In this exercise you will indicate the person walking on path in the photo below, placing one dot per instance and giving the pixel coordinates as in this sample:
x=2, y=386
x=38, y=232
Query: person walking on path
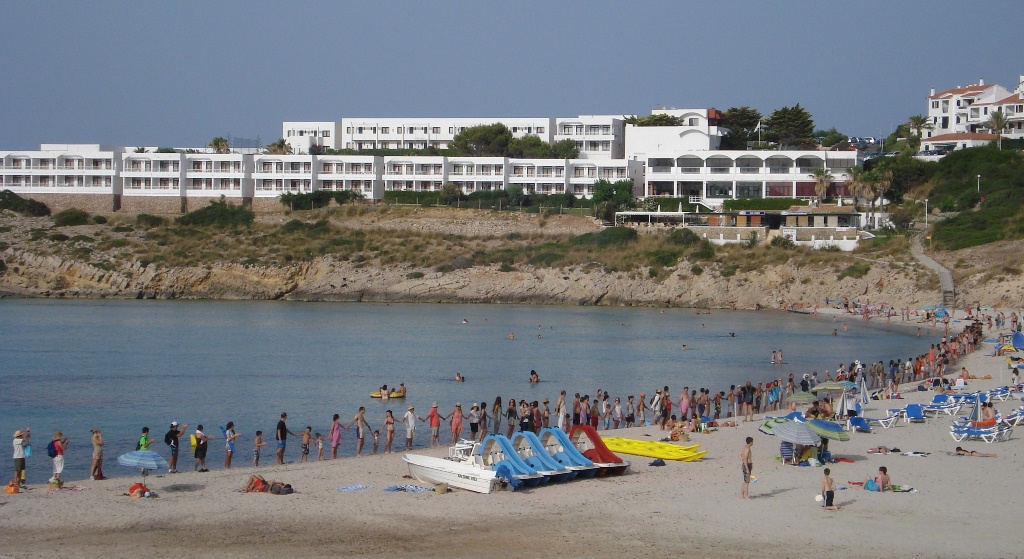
x=96, y=469
x=362, y=428
x=171, y=440
x=747, y=465
x=60, y=444
x=281, y=435
x=20, y=443
x=409, y=419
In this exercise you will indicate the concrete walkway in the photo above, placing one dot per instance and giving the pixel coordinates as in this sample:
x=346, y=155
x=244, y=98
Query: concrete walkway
x=945, y=277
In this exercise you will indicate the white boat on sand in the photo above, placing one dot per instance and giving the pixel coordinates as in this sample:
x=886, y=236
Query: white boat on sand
x=429, y=469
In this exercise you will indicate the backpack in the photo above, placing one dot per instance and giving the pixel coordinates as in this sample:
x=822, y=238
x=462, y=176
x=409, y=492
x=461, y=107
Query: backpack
x=51, y=449
x=169, y=437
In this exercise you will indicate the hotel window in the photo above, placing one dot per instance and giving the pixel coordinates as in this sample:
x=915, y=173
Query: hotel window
x=385, y=130
x=693, y=122
x=400, y=130
x=935, y=104
x=540, y=129
x=326, y=134
x=348, y=131
x=434, y=130
x=451, y=129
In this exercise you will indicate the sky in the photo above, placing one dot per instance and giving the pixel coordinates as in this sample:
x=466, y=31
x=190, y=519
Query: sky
x=180, y=73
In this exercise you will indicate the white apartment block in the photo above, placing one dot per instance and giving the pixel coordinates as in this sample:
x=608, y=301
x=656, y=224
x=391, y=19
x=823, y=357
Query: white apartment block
x=700, y=131
x=421, y=133
x=712, y=177
x=359, y=173
x=62, y=169
x=302, y=136
x=596, y=136
x=962, y=109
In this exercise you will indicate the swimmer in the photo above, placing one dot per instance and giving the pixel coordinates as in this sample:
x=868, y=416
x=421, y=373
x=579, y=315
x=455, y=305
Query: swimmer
x=702, y=324
x=459, y=378
x=511, y=336
x=534, y=377
x=684, y=347
x=732, y=334
x=835, y=332
x=464, y=321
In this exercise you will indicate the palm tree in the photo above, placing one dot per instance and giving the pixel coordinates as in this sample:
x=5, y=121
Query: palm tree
x=854, y=182
x=279, y=147
x=997, y=123
x=822, y=180
x=220, y=145
x=919, y=123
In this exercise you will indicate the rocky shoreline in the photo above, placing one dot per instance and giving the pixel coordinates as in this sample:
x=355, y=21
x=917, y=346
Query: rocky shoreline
x=325, y=279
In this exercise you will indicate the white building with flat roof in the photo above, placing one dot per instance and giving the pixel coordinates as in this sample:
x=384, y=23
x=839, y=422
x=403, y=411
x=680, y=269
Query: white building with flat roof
x=711, y=177
x=962, y=109
x=596, y=136
x=61, y=169
x=213, y=175
x=357, y=173
x=421, y=133
x=303, y=136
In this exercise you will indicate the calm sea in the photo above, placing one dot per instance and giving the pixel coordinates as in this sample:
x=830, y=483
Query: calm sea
x=122, y=365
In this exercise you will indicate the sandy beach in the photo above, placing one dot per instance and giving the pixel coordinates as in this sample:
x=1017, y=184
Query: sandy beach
x=961, y=507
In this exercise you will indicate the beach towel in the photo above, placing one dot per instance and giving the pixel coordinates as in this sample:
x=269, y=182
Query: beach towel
x=844, y=459
x=658, y=462
x=409, y=488
x=903, y=489
x=354, y=487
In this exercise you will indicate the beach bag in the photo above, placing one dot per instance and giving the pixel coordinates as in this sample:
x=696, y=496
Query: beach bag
x=192, y=438
x=51, y=449
x=12, y=488
x=169, y=439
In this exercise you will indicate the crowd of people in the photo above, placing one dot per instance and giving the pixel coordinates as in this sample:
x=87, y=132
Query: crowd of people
x=691, y=410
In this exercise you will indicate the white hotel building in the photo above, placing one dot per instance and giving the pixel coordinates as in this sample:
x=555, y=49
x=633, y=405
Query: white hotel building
x=62, y=169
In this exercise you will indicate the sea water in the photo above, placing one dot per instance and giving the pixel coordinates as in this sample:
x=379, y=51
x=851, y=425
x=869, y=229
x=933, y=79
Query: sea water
x=121, y=365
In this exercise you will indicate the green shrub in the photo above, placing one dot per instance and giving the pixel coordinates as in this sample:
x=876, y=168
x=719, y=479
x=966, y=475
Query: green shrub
x=123, y=229
x=99, y=219
x=610, y=236
x=36, y=234
x=414, y=275
x=119, y=243
x=730, y=270
x=3, y=267
x=506, y=267
x=58, y=237
x=683, y=237
x=855, y=271
x=704, y=251
x=762, y=204
x=105, y=265
x=218, y=214
x=663, y=258
x=779, y=241
x=71, y=217
x=146, y=220
x=24, y=206
x=82, y=239
x=545, y=259
x=696, y=270
x=403, y=197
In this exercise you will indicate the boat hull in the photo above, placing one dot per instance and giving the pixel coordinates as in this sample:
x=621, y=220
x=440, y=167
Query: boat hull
x=429, y=469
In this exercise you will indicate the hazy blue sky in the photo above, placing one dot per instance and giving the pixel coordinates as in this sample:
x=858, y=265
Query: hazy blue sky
x=180, y=73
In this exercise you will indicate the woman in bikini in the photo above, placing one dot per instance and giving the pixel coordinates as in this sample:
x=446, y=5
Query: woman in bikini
x=511, y=417
x=389, y=431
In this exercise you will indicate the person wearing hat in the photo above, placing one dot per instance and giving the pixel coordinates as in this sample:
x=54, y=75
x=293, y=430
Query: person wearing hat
x=434, y=421
x=96, y=470
x=171, y=440
x=60, y=444
x=409, y=420
x=20, y=444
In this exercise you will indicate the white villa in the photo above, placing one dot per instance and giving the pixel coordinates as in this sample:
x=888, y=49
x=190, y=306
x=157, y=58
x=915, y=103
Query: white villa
x=959, y=115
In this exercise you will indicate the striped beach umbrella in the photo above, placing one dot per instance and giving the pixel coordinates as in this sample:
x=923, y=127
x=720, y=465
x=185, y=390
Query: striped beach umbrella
x=143, y=459
x=828, y=429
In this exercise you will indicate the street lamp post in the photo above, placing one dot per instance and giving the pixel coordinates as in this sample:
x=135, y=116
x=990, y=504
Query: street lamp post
x=979, y=185
x=926, y=216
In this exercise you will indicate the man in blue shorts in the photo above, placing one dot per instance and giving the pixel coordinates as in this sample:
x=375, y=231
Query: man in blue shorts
x=282, y=437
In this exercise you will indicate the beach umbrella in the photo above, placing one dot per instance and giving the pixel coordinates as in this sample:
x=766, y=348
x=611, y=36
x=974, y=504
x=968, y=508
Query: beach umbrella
x=796, y=432
x=802, y=397
x=144, y=460
x=768, y=427
x=828, y=429
x=830, y=386
x=864, y=398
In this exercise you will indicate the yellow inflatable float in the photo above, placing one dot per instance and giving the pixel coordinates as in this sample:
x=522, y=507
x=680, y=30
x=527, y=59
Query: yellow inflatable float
x=653, y=449
x=390, y=394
